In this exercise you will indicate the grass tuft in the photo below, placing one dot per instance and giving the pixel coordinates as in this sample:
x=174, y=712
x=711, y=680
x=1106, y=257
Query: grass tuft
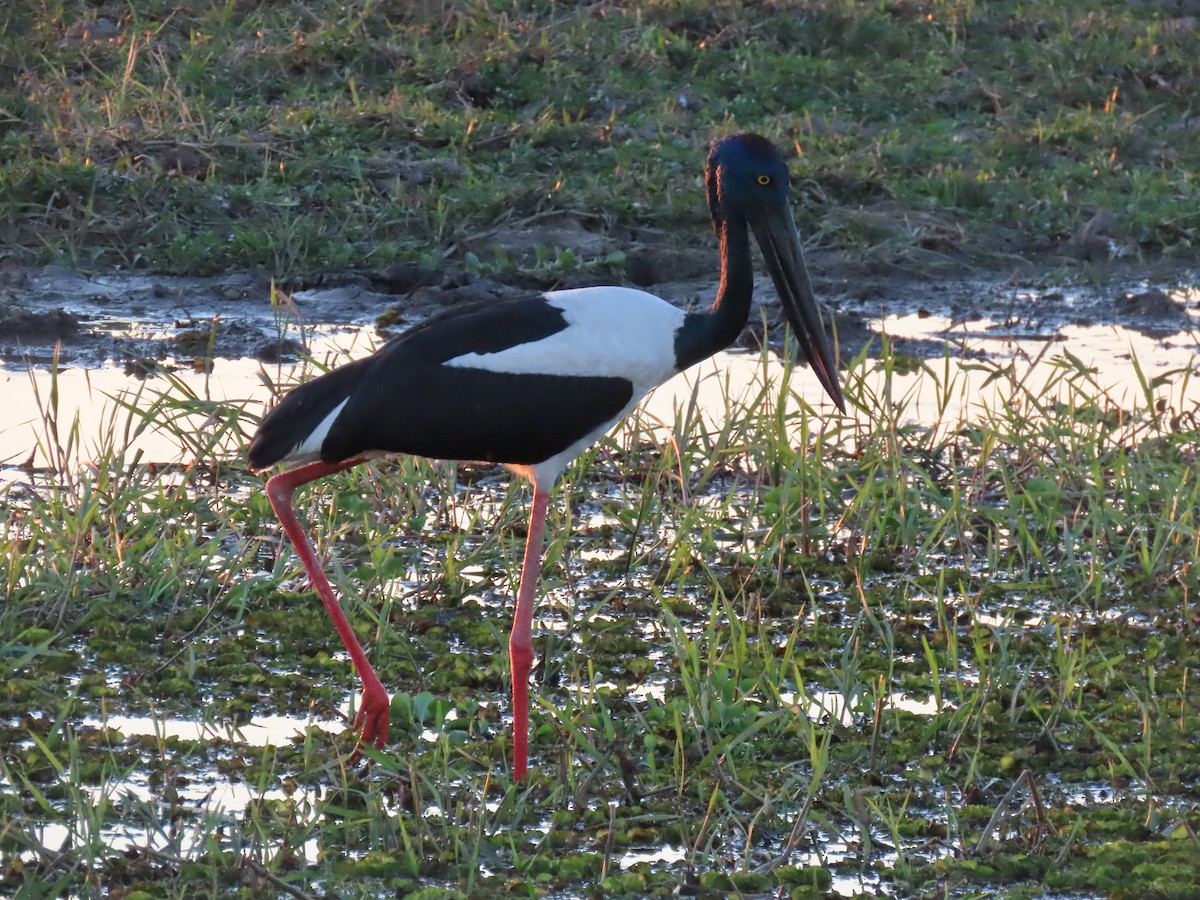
x=959, y=651
x=305, y=137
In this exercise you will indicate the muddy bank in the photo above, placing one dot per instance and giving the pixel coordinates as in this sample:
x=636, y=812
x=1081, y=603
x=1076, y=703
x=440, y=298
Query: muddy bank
x=139, y=320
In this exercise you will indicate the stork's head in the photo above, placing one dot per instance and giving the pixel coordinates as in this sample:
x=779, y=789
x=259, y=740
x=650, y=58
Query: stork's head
x=748, y=183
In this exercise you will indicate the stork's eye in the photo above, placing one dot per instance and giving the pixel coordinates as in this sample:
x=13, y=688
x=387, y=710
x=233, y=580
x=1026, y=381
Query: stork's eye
x=764, y=180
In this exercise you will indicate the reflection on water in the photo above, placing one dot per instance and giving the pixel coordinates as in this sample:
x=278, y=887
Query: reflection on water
x=667, y=853
x=261, y=731
x=179, y=816
x=948, y=390
x=821, y=705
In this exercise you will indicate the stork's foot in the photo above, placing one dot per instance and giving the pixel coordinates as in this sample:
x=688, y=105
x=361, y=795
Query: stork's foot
x=371, y=721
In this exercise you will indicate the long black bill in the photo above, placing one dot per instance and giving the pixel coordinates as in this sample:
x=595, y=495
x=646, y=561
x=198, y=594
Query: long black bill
x=780, y=243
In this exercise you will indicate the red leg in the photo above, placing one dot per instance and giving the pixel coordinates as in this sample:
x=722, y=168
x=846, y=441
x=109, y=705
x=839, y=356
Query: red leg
x=520, y=643
x=371, y=723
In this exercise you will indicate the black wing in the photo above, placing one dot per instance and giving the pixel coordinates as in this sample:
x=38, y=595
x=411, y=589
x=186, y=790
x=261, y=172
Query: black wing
x=404, y=399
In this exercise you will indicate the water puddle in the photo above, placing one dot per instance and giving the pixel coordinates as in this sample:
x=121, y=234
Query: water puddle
x=1125, y=344
x=951, y=366
x=261, y=731
x=821, y=705
x=135, y=812
x=666, y=854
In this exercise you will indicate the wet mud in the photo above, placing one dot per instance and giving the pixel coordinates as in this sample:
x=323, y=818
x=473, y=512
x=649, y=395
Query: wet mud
x=140, y=320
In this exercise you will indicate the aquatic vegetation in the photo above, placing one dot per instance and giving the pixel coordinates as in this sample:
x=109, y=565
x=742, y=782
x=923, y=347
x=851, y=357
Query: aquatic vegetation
x=944, y=645
x=780, y=652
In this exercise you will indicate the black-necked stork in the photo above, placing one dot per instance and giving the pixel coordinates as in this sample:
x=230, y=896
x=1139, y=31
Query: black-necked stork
x=532, y=382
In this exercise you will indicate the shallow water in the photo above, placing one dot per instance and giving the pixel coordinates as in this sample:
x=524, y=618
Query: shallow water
x=950, y=389
x=176, y=819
